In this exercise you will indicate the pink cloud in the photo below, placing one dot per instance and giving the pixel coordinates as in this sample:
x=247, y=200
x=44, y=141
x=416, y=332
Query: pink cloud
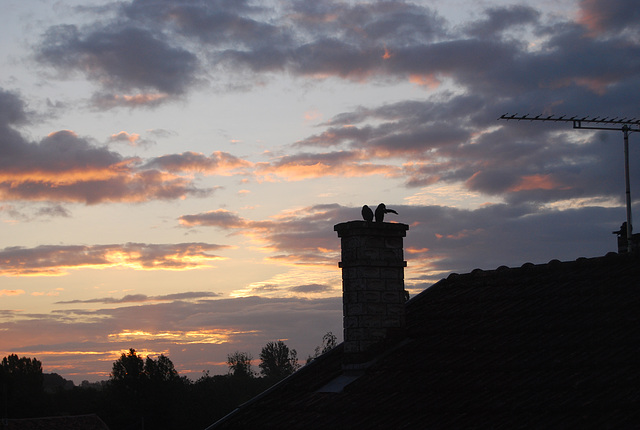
x=53, y=260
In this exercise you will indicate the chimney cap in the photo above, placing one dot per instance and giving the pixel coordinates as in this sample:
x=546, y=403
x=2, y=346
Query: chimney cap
x=366, y=227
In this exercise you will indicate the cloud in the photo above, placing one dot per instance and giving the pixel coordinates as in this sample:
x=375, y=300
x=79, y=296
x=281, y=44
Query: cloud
x=51, y=260
x=297, y=237
x=218, y=218
x=106, y=101
x=311, y=288
x=142, y=298
x=218, y=163
x=499, y=19
x=198, y=335
x=448, y=139
x=12, y=109
x=217, y=23
x=53, y=211
x=64, y=167
x=390, y=41
x=123, y=136
x=11, y=292
x=441, y=239
x=601, y=16
x=317, y=165
x=119, y=59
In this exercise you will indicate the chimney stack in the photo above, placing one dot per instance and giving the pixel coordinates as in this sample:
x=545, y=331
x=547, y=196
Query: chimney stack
x=373, y=293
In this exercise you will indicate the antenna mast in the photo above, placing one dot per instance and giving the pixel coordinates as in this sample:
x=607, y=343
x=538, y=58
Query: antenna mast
x=625, y=125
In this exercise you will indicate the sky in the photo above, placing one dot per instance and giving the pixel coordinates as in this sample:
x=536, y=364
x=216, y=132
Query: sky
x=171, y=171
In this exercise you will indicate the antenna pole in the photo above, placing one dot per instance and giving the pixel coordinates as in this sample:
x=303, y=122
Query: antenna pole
x=598, y=123
x=625, y=131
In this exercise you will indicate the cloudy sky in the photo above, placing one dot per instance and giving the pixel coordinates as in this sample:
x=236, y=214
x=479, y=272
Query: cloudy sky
x=171, y=171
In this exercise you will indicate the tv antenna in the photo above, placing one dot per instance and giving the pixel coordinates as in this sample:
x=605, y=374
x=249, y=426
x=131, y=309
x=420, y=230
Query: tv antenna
x=625, y=125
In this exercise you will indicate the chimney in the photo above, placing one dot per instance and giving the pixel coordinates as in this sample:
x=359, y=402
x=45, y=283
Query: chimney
x=373, y=293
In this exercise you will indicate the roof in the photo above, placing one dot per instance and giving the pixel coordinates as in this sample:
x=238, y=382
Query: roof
x=76, y=422
x=551, y=345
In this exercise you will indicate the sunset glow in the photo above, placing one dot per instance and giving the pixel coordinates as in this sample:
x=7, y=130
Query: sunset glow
x=170, y=177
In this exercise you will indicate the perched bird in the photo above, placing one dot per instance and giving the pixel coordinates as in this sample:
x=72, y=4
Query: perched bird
x=367, y=213
x=381, y=210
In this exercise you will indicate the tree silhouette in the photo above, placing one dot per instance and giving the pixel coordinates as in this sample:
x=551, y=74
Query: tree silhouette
x=128, y=370
x=149, y=391
x=240, y=364
x=160, y=370
x=21, y=386
x=277, y=360
x=329, y=341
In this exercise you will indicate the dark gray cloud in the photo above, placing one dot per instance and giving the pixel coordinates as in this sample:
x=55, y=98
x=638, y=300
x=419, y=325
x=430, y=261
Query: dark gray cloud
x=216, y=23
x=218, y=218
x=53, y=211
x=442, y=141
x=128, y=58
x=12, y=109
x=311, y=288
x=141, y=298
x=603, y=16
x=499, y=19
x=164, y=48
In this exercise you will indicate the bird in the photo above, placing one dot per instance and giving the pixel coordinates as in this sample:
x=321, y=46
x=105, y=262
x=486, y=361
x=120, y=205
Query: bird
x=367, y=213
x=381, y=210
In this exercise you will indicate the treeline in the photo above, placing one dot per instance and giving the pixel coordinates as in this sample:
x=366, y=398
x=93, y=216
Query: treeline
x=148, y=393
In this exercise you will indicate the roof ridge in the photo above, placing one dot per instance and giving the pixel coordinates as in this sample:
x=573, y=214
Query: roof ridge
x=554, y=263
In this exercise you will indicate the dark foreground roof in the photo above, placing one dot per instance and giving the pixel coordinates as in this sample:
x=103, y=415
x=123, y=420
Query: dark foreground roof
x=540, y=346
x=76, y=422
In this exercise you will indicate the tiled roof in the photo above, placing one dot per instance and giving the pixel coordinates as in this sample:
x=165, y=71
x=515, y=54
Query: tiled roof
x=540, y=346
x=76, y=422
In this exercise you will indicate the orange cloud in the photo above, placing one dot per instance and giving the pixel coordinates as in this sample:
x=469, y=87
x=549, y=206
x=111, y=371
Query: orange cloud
x=11, y=292
x=412, y=250
x=219, y=163
x=50, y=260
x=461, y=234
x=536, y=182
x=66, y=168
x=313, y=115
x=180, y=337
x=127, y=137
x=430, y=81
x=589, y=16
x=597, y=85
x=108, y=101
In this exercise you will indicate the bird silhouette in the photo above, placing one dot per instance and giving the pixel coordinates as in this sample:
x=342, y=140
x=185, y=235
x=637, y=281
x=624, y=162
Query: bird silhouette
x=367, y=213
x=381, y=210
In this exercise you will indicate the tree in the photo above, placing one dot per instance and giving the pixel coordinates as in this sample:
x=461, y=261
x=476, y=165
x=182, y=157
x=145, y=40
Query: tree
x=240, y=364
x=21, y=387
x=128, y=370
x=329, y=341
x=149, y=391
x=160, y=370
x=277, y=360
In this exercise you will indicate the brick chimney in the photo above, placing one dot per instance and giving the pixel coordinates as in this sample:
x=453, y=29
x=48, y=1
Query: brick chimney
x=373, y=293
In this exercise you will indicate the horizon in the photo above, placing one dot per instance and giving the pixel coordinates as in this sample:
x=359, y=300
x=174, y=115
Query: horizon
x=170, y=174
